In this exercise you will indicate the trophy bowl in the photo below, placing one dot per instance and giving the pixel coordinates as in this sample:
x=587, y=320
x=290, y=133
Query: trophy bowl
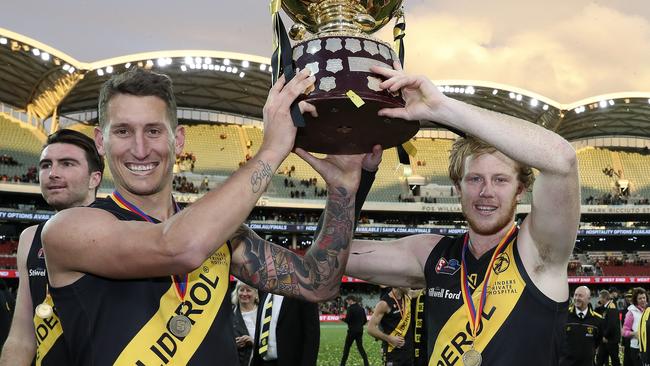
x=346, y=93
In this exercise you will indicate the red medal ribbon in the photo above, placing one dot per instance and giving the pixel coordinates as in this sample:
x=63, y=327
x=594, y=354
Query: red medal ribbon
x=473, y=314
x=180, y=283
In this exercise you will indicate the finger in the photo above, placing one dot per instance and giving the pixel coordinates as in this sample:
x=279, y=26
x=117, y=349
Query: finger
x=309, y=158
x=397, y=65
x=377, y=150
x=279, y=84
x=394, y=113
x=383, y=71
x=309, y=108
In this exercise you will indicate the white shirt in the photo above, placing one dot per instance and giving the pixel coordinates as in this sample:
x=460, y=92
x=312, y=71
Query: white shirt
x=583, y=312
x=250, y=318
x=272, y=352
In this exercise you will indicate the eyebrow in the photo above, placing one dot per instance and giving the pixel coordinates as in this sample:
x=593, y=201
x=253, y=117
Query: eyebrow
x=65, y=159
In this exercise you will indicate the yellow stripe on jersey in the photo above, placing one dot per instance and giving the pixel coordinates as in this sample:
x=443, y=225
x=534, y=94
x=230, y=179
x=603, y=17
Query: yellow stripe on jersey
x=504, y=291
x=643, y=329
x=48, y=332
x=206, y=290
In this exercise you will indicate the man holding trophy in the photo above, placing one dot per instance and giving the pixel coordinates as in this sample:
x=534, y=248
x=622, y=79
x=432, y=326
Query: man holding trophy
x=496, y=295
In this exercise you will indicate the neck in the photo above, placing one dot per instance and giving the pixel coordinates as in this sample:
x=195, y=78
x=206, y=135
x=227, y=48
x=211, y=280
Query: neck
x=581, y=310
x=481, y=244
x=158, y=205
x=246, y=307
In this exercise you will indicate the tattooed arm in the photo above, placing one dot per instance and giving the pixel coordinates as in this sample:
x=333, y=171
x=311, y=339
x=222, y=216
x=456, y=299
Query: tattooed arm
x=314, y=277
x=317, y=275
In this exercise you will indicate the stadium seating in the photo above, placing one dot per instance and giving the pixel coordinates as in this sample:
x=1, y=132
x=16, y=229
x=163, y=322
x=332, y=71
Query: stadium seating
x=21, y=142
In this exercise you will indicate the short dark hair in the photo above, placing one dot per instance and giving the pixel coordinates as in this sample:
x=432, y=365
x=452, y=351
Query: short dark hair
x=141, y=83
x=76, y=138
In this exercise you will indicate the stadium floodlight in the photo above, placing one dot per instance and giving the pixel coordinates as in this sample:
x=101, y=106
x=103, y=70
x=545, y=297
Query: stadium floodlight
x=534, y=102
x=545, y=107
x=66, y=67
x=234, y=69
x=241, y=74
x=3, y=40
x=109, y=69
x=211, y=67
x=189, y=60
x=263, y=67
x=441, y=88
x=161, y=62
x=127, y=65
x=149, y=64
x=183, y=68
x=204, y=66
x=71, y=70
x=36, y=51
x=511, y=95
x=100, y=72
x=519, y=97
x=602, y=104
x=226, y=61
x=45, y=56
x=495, y=92
x=611, y=102
x=228, y=69
x=192, y=66
x=648, y=100
x=222, y=68
x=208, y=60
x=245, y=64
x=447, y=89
x=198, y=60
x=270, y=68
x=470, y=90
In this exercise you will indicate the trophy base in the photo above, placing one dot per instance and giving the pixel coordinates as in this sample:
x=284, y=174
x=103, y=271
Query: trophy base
x=342, y=128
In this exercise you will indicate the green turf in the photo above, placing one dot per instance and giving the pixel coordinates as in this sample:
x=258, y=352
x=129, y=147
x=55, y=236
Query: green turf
x=332, y=338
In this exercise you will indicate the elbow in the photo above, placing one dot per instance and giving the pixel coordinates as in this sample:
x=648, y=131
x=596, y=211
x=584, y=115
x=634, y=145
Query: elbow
x=182, y=255
x=566, y=159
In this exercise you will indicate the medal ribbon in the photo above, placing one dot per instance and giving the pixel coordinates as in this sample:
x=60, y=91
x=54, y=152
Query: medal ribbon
x=473, y=313
x=180, y=282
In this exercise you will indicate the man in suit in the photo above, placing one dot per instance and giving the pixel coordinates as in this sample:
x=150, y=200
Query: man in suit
x=611, y=330
x=356, y=319
x=583, y=331
x=287, y=332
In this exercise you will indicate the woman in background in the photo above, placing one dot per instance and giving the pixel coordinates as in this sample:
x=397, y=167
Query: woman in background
x=245, y=300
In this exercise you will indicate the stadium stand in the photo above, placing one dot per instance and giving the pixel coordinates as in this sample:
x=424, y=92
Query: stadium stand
x=20, y=142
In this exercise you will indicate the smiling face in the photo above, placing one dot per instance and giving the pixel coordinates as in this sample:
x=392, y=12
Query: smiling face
x=489, y=190
x=64, y=177
x=139, y=144
x=581, y=297
x=246, y=295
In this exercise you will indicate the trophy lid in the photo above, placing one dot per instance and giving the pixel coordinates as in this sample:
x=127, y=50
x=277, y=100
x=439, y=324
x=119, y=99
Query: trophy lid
x=323, y=16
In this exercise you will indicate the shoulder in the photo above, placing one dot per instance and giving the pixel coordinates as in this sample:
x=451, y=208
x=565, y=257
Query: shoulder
x=595, y=314
x=25, y=242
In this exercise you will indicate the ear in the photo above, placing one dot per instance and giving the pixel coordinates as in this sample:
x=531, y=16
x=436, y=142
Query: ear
x=521, y=191
x=179, y=143
x=95, y=180
x=99, y=141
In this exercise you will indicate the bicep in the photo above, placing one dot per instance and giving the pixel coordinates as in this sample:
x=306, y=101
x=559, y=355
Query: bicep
x=105, y=246
x=397, y=263
x=555, y=214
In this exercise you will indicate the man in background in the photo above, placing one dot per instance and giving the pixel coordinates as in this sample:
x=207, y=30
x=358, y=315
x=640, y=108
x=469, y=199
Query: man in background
x=355, y=318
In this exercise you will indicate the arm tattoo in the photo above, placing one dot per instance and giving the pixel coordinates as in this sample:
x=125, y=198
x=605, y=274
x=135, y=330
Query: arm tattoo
x=273, y=268
x=261, y=176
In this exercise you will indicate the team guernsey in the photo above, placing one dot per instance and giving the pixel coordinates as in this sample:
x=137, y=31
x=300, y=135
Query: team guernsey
x=133, y=322
x=397, y=322
x=519, y=325
x=50, y=345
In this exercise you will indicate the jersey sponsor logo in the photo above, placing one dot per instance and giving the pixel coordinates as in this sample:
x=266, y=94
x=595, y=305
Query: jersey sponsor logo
x=447, y=267
x=501, y=263
x=155, y=344
x=40, y=254
x=503, y=287
x=443, y=293
x=38, y=272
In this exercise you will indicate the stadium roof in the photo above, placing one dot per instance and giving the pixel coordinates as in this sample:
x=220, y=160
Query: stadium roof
x=42, y=81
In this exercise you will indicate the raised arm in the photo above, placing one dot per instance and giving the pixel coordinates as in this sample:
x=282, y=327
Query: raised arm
x=20, y=347
x=548, y=234
x=316, y=276
x=119, y=249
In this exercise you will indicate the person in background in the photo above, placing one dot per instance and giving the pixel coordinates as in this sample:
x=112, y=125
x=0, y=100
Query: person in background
x=355, y=318
x=583, y=331
x=391, y=323
x=609, y=348
x=245, y=301
x=632, y=321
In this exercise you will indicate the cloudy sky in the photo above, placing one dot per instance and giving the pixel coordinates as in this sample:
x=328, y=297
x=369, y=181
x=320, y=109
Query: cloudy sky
x=566, y=50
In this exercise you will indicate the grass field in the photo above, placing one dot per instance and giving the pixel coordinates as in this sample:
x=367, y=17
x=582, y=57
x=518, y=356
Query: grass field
x=332, y=338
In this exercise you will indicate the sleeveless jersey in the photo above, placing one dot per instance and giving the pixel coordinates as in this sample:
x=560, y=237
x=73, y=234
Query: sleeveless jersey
x=50, y=344
x=398, y=323
x=125, y=322
x=519, y=324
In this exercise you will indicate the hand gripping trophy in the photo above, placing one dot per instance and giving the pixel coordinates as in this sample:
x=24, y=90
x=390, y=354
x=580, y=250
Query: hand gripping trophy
x=339, y=53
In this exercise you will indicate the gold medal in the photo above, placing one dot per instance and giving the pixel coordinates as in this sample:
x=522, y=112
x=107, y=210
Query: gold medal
x=44, y=311
x=472, y=357
x=180, y=326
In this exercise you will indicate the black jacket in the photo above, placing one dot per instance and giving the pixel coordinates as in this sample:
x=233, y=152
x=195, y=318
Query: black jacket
x=582, y=338
x=355, y=318
x=240, y=330
x=611, y=322
x=297, y=332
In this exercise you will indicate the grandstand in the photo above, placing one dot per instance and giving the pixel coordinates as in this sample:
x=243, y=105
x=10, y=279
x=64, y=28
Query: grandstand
x=220, y=97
